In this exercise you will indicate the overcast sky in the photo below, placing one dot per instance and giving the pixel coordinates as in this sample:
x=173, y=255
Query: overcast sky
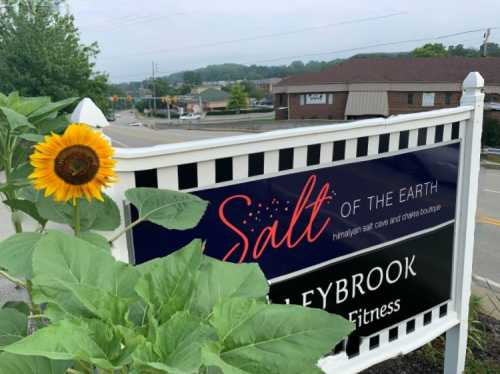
x=182, y=35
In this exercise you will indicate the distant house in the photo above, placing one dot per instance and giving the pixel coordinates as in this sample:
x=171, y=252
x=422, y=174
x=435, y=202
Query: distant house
x=266, y=85
x=211, y=99
x=199, y=89
x=364, y=88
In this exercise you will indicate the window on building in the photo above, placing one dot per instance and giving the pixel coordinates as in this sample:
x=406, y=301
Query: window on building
x=302, y=99
x=282, y=100
x=428, y=98
x=447, y=98
x=330, y=98
x=411, y=98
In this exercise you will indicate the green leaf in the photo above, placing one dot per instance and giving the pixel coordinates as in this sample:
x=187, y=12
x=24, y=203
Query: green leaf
x=13, y=326
x=107, y=214
x=20, y=306
x=177, y=347
x=16, y=253
x=14, y=120
x=95, y=239
x=223, y=280
x=94, y=215
x=170, y=209
x=47, y=110
x=11, y=363
x=21, y=172
x=34, y=138
x=167, y=283
x=27, y=207
x=50, y=125
x=87, y=340
x=28, y=105
x=82, y=280
x=271, y=338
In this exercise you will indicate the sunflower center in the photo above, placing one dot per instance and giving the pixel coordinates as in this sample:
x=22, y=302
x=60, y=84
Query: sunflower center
x=77, y=164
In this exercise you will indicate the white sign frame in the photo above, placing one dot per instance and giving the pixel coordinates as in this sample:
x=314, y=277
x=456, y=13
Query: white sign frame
x=165, y=159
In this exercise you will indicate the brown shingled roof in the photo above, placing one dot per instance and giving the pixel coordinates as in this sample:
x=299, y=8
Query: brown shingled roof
x=385, y=70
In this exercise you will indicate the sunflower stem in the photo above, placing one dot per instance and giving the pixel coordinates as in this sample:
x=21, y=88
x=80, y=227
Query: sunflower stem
x=10, y=278
x=77, y=218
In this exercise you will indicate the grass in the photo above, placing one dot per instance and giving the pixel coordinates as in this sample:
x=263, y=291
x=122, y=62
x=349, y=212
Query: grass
x=493, y=158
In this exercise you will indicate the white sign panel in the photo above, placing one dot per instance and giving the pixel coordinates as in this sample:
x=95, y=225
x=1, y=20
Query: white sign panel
x=316, y=98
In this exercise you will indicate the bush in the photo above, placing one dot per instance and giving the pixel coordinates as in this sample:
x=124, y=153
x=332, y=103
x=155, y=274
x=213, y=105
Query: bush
x=491, y=133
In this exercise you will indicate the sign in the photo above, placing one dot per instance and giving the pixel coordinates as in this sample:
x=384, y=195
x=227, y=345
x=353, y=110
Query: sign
x=382, y=287
x=351, y=238
x=317, y=98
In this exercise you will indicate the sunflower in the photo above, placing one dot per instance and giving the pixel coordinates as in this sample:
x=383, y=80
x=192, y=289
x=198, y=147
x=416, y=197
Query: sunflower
x=75, y=164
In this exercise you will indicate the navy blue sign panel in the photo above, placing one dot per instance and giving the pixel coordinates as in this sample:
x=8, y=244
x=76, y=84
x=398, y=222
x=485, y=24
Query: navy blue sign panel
x=378, y=289
x=293, y=221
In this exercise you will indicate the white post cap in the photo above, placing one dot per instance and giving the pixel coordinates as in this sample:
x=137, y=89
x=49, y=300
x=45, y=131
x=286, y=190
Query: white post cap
x=89, y=113
x=473, y=80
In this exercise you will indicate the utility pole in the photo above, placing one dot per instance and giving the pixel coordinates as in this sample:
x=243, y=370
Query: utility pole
x=485, y=43
x=154, y=88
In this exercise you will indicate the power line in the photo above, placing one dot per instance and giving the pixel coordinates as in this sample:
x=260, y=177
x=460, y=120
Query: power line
x=355, y=49
x=262, y=36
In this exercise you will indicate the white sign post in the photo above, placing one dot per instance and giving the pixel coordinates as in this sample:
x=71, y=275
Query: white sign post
x=456, y=338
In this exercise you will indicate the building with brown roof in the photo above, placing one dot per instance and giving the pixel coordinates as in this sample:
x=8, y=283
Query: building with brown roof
x=364, y=88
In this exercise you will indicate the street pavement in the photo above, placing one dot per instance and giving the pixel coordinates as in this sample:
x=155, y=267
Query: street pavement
x=124, y=135
x=487, y=240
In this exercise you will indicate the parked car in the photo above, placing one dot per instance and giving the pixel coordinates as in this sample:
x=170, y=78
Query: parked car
x=190, y=116
x=135, y=124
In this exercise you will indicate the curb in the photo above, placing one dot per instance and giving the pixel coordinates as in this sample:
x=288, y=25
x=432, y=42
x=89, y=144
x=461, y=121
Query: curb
x=486, y=283
x=490, y=165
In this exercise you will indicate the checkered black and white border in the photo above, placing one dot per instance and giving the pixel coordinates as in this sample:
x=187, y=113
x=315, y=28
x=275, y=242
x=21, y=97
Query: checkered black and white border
x=195, y=175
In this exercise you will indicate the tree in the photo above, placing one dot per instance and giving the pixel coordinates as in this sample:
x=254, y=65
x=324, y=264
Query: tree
x=493, y=50
x=252, y=90
x=41, y=54
x=192, y=78
x=238, y=98
x=430, y=50
x=459, y=50
x=162, y=87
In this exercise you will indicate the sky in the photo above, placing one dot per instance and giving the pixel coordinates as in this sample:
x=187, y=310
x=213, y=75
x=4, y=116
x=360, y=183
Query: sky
x=184, y=35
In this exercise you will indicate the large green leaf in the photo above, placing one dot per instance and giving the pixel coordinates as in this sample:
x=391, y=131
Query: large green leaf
x=271, y=338
x=28, y=105
x=20, y=306
x=94, y=215
x=51, y=108
x=96, y=239
x=33, y=138
x=170, y=209
x=13, y=326
x=166, y=285
x=81, y=279
x=223, y=280
x=17, y=364
x=14, y=120
x=50, y=125
x=87, y=340
x=107, y=214
x=16, y=253
x=177, y=346
x=27, y=207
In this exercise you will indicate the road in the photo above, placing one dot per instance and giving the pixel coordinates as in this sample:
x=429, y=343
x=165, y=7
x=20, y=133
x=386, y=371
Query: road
x=487, y=244
x=124, y=135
